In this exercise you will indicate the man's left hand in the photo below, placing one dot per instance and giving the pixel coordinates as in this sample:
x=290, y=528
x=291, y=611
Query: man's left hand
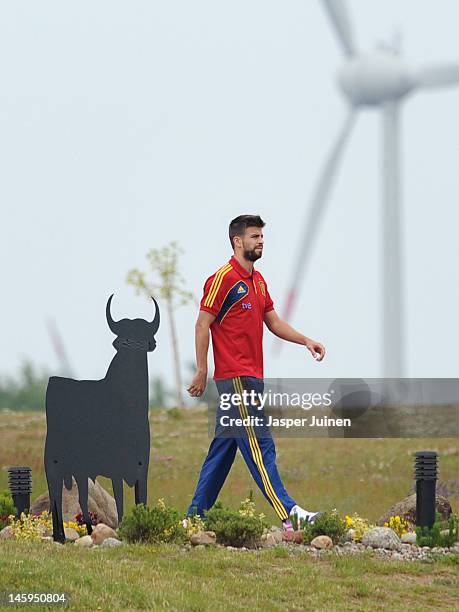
x=316, y=349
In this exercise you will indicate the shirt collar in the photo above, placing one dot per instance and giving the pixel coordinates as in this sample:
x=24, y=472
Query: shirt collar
x=240, y=269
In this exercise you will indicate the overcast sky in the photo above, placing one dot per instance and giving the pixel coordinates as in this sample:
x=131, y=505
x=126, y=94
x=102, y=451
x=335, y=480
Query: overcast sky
x=125, y=125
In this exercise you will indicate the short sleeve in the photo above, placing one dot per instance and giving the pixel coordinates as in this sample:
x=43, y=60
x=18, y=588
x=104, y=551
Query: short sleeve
x=269, y=304
x=215, y=289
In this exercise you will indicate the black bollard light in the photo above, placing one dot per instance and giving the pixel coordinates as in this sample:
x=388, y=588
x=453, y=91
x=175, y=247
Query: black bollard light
x=20, y=483
x=426, y=477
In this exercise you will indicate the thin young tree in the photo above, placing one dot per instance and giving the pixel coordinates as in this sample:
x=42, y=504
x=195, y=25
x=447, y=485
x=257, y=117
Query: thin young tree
x=164, y=263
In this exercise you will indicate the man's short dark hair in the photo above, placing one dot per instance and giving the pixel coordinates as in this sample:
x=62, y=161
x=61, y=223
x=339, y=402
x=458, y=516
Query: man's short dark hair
x=238, y=225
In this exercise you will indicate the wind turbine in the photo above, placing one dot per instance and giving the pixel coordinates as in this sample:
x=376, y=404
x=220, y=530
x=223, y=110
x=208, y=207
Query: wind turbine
x=59, y=348
x=380, y=79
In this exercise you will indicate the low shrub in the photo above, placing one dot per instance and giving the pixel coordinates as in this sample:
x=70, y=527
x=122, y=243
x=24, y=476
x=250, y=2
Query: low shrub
x=329, y=524
x=159, y=523
x=79, y=518
x=6, y=508
x=358, y=524
x=236, y=528
x=193, y=524
x=80, y=529
x=433, y=537
x=31, y=526
x=34, y=526
x=397, y=524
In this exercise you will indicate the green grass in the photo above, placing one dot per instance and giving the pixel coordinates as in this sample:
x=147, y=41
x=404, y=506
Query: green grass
x=167, y=576
x=364, y=476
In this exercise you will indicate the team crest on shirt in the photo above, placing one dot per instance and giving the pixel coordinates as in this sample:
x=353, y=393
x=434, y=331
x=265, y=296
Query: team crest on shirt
x=262, y=287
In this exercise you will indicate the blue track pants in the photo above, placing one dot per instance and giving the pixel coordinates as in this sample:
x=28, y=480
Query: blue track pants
x=255, y=443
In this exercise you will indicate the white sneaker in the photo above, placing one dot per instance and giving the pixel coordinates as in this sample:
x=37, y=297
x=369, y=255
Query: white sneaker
x=304, y=515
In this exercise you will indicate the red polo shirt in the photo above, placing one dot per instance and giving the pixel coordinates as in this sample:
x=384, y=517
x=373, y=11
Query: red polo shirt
x=239, y=300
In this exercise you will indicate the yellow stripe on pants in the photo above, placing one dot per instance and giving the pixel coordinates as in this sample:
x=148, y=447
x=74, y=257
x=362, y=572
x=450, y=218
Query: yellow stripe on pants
x=258, y=457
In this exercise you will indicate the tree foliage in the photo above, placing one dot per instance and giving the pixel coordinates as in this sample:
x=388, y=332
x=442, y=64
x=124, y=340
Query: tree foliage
x=164, y=263
x=27, y=391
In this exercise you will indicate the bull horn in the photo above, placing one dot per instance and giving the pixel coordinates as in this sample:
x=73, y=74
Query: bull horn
x=113, y=325
x=155, y=323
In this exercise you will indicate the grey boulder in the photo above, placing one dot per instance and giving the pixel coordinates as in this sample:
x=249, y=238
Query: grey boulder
x=382, y=537
x=99, y=502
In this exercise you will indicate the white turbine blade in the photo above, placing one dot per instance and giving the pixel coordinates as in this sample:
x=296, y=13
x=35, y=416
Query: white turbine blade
x=59, y=348
x=316, y=212
x=441, y=75
x=339, y=16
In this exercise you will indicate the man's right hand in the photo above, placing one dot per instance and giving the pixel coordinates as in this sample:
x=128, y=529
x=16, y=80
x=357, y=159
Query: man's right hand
x=198, y=384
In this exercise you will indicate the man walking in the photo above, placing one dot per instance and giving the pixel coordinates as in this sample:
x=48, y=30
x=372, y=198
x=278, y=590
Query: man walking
x=235, y=304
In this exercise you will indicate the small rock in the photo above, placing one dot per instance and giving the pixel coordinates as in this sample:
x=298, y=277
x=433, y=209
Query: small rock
x=409, y=538
x=7, y=533
x=275, y=528
x=111, y=543
x=71, y=534
x=293, y=536
x=101, y=532
x=349, y=535
x=322, y=542
x=273, y=539
x=85, y=542
x=381, y=537
x=44, y=531
x=205, y=538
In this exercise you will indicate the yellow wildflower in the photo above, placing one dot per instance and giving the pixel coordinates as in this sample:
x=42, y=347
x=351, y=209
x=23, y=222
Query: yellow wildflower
x=397, y=524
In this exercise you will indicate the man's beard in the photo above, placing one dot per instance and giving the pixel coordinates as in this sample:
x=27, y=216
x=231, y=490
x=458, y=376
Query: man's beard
x=252, y=255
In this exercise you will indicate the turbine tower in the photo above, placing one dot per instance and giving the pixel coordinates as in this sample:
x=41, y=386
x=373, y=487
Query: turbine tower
x=378, y=79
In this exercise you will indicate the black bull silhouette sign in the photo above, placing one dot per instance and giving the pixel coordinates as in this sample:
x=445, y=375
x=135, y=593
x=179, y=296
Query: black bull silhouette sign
x=100, y=427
